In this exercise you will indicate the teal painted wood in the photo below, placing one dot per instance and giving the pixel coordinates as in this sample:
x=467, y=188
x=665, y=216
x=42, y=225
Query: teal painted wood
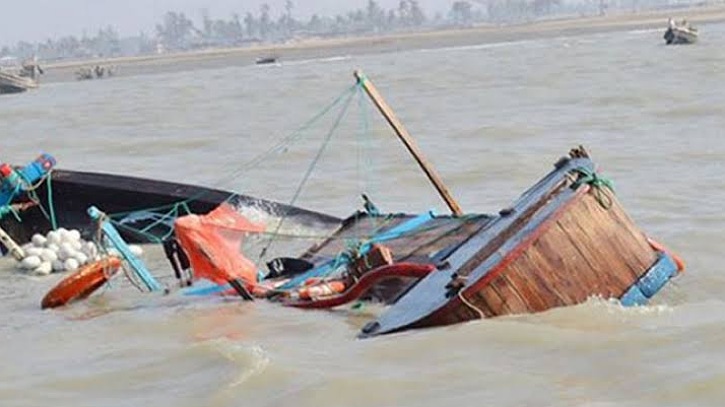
x=633, y=296
x=117, y=241
x=206, y=290
x=391, y=234
x=657, y=276
x=651, y=282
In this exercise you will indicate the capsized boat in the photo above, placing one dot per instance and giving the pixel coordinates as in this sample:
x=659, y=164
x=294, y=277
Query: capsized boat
x=563, y=241
x=38, y=197
x=566, y=239
x=680, y=33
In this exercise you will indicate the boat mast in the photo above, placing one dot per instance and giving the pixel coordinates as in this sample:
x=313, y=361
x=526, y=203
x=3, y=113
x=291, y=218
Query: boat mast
x=408, y=141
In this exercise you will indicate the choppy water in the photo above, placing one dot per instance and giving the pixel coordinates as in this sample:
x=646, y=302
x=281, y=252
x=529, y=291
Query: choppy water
x=493, y=118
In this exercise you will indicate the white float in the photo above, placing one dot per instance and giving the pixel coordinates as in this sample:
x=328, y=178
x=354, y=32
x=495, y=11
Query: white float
x=61, y=250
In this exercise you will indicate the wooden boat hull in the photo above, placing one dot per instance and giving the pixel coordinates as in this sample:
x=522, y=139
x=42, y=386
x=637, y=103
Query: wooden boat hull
x=10, y=83
x=72, y=192
x=560, y=244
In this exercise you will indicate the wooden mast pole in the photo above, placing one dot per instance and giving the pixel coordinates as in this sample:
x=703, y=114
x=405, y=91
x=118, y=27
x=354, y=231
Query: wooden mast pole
x=408, y=141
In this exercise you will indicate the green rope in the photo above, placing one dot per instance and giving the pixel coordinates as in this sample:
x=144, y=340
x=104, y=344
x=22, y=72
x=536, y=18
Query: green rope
x=151, y=237
x=311, y=167
x=51, y=206
x=253, y=163
x=5, y=209
x=598, y=183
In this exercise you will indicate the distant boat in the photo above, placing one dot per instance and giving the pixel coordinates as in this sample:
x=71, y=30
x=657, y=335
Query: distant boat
x=95, y=72
x=680, y=33
x=266, y=60
x=26, y=78
x=13, y=83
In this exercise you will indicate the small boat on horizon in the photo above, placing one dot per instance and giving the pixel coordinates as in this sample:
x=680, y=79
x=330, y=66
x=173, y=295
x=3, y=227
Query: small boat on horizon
x=680, y=33
x=266, y=60
x=20, y=79
x=13, y=83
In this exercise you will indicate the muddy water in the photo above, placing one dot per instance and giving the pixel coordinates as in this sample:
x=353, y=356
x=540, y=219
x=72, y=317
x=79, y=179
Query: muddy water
x=492, y=118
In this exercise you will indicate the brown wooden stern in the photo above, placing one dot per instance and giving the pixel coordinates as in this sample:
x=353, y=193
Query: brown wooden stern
x=561, y=243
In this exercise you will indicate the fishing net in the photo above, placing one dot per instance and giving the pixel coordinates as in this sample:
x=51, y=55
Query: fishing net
x=212, y=243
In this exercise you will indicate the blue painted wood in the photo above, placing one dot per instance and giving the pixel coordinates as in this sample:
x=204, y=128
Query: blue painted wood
x=651, y=281
x=206, y=290
x=429, y=295
x=390, y=234
x=657, y=276
x=633, y=296
x=117, y=241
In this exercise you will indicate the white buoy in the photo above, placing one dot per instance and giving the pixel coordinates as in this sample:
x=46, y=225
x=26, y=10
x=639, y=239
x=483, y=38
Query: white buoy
x=71, y=264
x=38, y=240
x=66, y=251
x=135, y=249
x=59, y=250
x=75, y=244
x=33, y=251
x=82, y=258
x=43, y=269
x=53, y=237
x=48, y=255
x=30, y=262
x=58, y=266
x=74, y=234
x=90, y=249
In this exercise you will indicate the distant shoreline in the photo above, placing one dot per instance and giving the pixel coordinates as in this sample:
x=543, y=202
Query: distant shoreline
x=320, y=48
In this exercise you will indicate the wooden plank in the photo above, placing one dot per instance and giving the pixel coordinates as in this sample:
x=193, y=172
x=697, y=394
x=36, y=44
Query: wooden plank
x=550, y=263
x=409, y=143
x=608, y=242
x=524, y=276
x=492, y=299
x=625, y=246
x=645, y=252
x=586, y=243
x=536, y=276
x=503, y=235
x=510, y=295
x=573, y=272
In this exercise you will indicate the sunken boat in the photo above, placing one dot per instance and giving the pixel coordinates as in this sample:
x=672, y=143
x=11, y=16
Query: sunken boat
x=565, y=240
x=38, y=197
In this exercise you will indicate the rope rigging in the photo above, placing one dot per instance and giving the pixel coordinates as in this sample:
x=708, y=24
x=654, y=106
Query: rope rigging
x=158, y=221
x=597, y=183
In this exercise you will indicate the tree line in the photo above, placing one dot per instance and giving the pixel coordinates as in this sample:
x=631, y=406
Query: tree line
x=178, y=32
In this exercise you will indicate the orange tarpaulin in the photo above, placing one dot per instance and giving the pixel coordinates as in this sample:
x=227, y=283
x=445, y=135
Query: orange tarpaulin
x=212, y=242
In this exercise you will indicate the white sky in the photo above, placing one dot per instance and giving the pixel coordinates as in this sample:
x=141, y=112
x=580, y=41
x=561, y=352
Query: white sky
x=38, y=20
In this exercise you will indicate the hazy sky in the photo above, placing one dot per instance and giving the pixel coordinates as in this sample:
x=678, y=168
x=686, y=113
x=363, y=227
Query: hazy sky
x=37, y=20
